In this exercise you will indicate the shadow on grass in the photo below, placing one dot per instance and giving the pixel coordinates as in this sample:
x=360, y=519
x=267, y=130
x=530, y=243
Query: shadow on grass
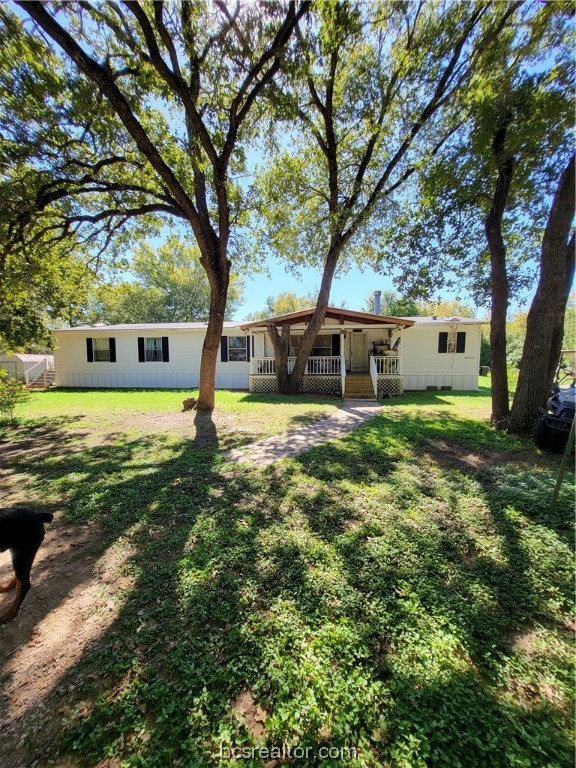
x=451, y=553
x=361, y=593
x=191, y=530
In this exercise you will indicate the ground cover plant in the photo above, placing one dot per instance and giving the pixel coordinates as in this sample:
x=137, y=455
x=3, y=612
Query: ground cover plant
x=402, y=594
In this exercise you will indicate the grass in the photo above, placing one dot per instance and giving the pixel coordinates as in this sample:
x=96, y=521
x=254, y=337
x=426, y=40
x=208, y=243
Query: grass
x=402, y=592
x=139, y=410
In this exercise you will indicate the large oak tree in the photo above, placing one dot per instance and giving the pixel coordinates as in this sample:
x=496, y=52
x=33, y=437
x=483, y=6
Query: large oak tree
x=482, y=205
x=163, y=97
x=373, y=92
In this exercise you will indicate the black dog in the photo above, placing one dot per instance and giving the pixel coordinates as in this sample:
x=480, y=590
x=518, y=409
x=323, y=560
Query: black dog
x=22, y=532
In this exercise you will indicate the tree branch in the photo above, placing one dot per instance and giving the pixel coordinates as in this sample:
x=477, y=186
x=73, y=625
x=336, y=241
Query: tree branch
x=105, y=82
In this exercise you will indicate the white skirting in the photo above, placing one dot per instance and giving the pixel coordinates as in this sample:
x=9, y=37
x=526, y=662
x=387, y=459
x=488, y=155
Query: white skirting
x=425, y=380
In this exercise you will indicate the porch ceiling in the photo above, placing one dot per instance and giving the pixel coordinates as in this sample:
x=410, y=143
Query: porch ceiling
x=334, y=313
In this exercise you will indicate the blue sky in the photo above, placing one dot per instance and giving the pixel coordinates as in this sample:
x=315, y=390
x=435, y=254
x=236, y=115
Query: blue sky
x=350, y=289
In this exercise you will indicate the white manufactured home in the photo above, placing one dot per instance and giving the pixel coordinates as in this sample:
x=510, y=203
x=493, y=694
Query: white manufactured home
x=355, y=354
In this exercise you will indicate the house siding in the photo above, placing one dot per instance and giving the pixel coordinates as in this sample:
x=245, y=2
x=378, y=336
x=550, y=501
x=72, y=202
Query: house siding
x=421, y=363
x=424, y=366
x=182, y=371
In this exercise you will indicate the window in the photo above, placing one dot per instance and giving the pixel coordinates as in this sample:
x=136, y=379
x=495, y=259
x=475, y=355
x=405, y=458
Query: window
x=154, y=349
x=322, y=345
x=237, y=349
x=451, y=342
x=101, y=350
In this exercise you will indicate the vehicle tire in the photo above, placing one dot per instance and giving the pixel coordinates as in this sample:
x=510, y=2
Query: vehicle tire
x=546, y=438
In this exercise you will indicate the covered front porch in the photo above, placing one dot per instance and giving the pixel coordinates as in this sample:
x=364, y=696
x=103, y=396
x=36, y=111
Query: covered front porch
x=355, y=354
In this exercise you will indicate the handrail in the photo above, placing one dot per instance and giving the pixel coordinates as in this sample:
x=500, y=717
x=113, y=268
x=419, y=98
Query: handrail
x=30, y=379
x=27, y=373
x=327, y=365
x=374, y=375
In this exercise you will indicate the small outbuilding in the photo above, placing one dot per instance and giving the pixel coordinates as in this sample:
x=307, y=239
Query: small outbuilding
x=27, y=368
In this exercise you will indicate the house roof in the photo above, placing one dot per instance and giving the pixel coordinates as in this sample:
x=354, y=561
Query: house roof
x=442, y=320
x=335, y=313
x=31, y=358
x=146, y=327
x=292, y=318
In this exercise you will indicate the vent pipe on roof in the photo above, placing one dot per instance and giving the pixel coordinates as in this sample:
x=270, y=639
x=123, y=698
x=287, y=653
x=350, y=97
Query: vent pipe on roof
x=377, y=295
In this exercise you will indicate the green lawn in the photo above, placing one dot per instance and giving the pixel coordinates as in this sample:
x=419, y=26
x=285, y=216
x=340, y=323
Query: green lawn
x=402, y=592
x=146, y=410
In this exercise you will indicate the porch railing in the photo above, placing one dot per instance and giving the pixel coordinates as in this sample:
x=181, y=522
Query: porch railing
x=324, y=366
x=385, y=365
x=343, y=374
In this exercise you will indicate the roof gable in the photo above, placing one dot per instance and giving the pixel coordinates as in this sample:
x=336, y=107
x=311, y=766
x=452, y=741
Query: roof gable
x=334, y=313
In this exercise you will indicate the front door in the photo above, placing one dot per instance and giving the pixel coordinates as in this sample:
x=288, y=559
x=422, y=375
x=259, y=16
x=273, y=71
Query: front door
x=358, y=352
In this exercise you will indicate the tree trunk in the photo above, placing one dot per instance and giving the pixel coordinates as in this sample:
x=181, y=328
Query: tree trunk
x=219, y=281
x=545, y=322
x=294, y=379
x=500, y=287
x=281, y=344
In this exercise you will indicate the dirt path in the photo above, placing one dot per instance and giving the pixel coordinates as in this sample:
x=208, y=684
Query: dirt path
x=71, y=603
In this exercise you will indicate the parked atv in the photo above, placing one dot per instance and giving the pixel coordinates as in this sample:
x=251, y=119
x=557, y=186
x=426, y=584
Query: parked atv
x=551, y=429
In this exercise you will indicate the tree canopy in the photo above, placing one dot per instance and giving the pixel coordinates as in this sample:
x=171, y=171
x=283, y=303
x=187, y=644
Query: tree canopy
x=168, y=285
x=118, y=112
x=522, y=90
x=373, y=90
x=283, y=304
x=475, y=214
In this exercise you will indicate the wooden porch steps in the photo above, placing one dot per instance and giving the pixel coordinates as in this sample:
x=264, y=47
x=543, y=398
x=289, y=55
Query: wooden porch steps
x=46, y=380
x=359, y=387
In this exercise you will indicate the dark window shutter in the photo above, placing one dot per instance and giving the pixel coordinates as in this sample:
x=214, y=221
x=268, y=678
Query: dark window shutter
x=112, y=347
x=141, y=350
x=89, y=351
x=443, y=341
x=165, y=352
x=335, y=345
x=461, y=341
x=252, y=346
x=248, y=347
x=224, y=349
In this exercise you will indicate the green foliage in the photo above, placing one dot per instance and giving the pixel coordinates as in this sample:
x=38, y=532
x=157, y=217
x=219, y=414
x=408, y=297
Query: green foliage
x=170, y=286
x=364, y=82
x=12, y=393
x=401, y=306
x=283, y=304
x=485, y=357
x=80, y=165
x=569, y=341
x=403, y=590
x=393, y=305
x=516, y=333
x=435, y=234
